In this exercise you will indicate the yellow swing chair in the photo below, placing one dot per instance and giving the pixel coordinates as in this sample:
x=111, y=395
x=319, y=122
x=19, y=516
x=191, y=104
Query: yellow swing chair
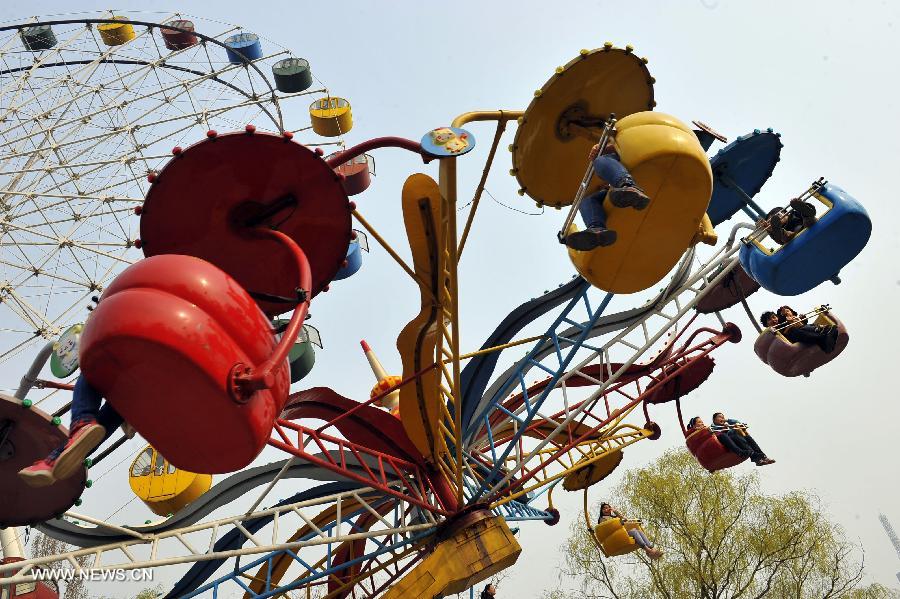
x=611, y=536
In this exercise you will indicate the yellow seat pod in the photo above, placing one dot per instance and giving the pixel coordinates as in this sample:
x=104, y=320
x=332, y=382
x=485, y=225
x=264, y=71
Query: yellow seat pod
x=667, y=161
x=331, y=117
x=116, y=32
x=612, y=534
x=164, y=488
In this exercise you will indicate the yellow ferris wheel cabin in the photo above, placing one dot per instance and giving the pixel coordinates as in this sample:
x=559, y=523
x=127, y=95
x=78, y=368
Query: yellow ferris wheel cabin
x=163, y=487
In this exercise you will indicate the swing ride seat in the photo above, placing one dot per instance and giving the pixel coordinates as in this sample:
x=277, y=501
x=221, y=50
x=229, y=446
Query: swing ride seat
x=729, y=291
x=709, y=451
x=613, y=537
x=237, y=179
x=817, y=253
x=795, y=359
x=161, y=346
x=162, y=487
x=27, y=434
x=667, y=161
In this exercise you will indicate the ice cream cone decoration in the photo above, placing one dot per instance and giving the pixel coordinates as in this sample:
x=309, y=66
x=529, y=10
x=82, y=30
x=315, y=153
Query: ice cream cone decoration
x=391, y=401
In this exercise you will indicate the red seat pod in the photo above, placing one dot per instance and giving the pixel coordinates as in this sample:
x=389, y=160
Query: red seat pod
x=711, y=454
x=162, y=347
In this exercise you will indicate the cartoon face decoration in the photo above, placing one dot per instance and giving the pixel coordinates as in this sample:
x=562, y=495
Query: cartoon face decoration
x=64, y=360
x=448, y=141
x=445, y=136
x=442, y=135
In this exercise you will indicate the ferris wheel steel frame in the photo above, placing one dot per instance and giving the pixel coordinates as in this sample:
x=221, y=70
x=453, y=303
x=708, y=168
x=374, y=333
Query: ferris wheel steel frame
x=51, y=147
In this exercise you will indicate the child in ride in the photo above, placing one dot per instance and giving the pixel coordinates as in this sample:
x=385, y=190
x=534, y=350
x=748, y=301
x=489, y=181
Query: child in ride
x=91, y=424
x=621, y=191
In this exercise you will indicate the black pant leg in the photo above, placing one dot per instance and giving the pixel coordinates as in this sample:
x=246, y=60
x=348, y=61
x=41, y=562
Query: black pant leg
x=728, y=440
x=757, y=453
x=807, y=334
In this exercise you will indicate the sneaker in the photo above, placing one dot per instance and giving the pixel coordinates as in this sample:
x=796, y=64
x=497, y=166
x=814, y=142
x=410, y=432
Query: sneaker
x=804, y=209
x=84, y=437
x=39, y=474
x=765, y=462
x=590, y=238
x=628, y=196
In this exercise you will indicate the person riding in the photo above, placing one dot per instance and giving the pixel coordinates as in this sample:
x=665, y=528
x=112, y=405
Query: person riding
x=797, y=329
x=733, y=436
x=620, y=189
x=90, y=426
x=608, y=512
x=783, y=225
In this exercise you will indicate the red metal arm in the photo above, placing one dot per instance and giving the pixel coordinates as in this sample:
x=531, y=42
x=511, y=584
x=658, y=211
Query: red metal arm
x=246, y=380
x=379, y=142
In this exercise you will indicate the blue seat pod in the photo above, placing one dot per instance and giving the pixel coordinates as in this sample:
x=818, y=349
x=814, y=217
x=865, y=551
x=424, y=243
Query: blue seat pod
x=242, y=47
x=816, y=254
x=353, y=261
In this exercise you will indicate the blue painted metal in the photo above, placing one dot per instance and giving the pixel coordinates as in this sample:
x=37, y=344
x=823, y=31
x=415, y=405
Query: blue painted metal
x=477, y=373
x=354, y=261
x=240, y=573
x=565, y=350
x=242, y=47
x=234, y=539
x=816, y=254
x=740, y=169
x=516, y=511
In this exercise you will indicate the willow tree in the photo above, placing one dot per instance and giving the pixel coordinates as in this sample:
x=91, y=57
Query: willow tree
x=723, y=539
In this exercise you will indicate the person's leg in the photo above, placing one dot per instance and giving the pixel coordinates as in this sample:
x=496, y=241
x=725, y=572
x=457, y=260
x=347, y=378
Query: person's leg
x=728, y=441
x=109, y=419
x=595, y=234
x=86, y=402
x=640, y=539
x=758, y=454
x=591, y=209
x=810, y=335
x=608, y=168
x=623, y=192
x=86, y=431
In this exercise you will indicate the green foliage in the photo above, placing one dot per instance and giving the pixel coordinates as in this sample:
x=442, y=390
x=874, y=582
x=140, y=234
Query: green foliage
x=153, y=593
x=723, y=539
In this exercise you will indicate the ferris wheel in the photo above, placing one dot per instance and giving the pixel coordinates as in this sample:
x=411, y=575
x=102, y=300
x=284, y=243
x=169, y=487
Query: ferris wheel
x=92, y=104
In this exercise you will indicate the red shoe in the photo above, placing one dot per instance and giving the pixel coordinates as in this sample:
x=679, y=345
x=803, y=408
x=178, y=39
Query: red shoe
x=39, y=474
x=84, y=438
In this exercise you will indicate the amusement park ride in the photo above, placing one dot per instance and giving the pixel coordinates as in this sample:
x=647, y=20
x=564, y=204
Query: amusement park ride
x=242, y=223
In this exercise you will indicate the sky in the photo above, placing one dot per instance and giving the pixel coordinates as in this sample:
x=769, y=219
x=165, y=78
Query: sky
x=821, y=73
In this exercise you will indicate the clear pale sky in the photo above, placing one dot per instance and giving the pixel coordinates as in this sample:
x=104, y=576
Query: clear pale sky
x=821, y=73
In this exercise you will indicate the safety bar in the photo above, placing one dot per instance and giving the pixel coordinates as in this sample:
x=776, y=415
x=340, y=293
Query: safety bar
x=608, y=129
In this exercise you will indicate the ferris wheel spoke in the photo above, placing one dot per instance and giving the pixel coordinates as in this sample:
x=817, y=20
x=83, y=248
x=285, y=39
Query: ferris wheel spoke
x=38, y=271
x=200, y=78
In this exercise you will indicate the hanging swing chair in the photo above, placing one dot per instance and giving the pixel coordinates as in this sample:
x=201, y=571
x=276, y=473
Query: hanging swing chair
x=796, y=359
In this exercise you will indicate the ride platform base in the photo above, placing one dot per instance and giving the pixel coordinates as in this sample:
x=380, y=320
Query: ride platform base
x=476, y=547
